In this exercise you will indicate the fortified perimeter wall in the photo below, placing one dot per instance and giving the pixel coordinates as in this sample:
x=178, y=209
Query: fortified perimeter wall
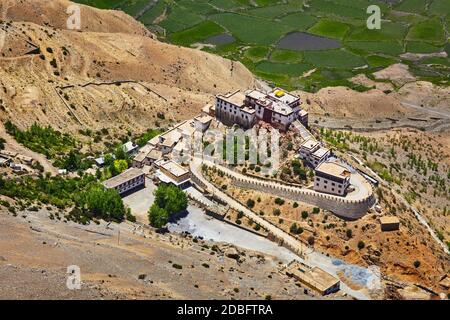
x=346, y=208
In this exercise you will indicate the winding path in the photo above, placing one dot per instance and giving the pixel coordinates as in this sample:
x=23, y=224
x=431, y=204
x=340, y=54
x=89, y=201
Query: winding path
x=297, y=246
x=311, y=257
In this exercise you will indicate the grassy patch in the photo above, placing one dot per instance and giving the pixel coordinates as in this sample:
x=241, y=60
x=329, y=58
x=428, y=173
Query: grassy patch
x=198, y=33
x=340, y=59
x=299, y=21
x=440, y=7
x=180, y=18
x=375, y=61
x=387, y=47
x=330, y=28
x=286, y=56
x=249, y=29
x=102, y=4
x=388, y=31
x=291, y=69
x=272, y=12
x=414, y=6
x=430, y=31
x=149, y=16
x=421, y=47
x=257, y=54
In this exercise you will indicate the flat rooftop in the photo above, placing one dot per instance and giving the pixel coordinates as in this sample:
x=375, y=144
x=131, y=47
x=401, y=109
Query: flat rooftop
x=283, y=96
x=256, y=94
x=281, y=108
x=187, y=128
x=174, y=168
x=123, y=177
x=248, y=110
x=333, y=169
x=321, y=152
x=315, y=277
x=310, y=144
x=140, y=157
x=204, y=119
x=389, y=220
x=236, y=98
x=154, y=154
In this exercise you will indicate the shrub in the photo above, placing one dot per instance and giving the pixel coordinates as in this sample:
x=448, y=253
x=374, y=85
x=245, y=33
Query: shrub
x=316, y=210
x=293, y=228
x=250, y=203
x=311, y=240
x=130, y=217
x=349, y=233
x=304, y=214
x=416, y=264
x=276, y=212
x=361, y=245
x=279, y=201
x=295, y=205
x=177, y=266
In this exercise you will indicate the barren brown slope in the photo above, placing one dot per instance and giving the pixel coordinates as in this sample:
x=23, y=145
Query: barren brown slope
x=53, y=13
x=36, y=251
x=172, y=81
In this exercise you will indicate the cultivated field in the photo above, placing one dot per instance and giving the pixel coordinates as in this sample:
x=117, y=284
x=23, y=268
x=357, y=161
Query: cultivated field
x=256, y=27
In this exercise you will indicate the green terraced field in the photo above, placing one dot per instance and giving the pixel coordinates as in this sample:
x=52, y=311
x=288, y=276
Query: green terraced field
x=416, y=26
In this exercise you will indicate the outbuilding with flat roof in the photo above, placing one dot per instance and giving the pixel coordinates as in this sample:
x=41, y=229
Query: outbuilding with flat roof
x=130, y=180
x=389, y=223
x=314, y=278
x=331, y=177
x=171, y=172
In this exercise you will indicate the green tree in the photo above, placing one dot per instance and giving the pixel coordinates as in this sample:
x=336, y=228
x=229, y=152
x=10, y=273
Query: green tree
x=72, y=161
x=102, y=203
x=169, y=200
x=120, y=166
x=157, y=216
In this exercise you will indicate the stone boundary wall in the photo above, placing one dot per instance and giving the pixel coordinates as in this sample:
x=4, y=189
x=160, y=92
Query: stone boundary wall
x=345, y=208
x=349, y=209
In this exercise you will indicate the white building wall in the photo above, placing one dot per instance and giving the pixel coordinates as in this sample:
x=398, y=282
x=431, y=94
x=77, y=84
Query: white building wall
x=329, y=186
x=231, y=114
x=131, y=184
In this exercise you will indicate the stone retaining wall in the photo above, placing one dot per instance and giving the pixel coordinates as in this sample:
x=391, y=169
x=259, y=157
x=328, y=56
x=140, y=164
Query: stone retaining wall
x=346, y=208
x=350, y=209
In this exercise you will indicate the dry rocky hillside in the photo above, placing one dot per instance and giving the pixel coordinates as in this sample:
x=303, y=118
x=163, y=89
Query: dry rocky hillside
x=114, y=74
x=69, y=79
x=35, y=252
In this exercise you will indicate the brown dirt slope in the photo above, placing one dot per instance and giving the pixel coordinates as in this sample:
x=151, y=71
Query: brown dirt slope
x=173, y=81
x=36, y=251
x=54, y=14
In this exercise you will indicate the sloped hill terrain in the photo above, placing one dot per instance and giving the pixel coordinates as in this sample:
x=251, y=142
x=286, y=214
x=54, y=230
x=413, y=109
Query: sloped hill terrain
x=52, y=75
x=305, y=44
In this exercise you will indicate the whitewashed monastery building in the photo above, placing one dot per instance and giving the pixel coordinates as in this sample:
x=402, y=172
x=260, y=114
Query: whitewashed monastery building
x=278, y=107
